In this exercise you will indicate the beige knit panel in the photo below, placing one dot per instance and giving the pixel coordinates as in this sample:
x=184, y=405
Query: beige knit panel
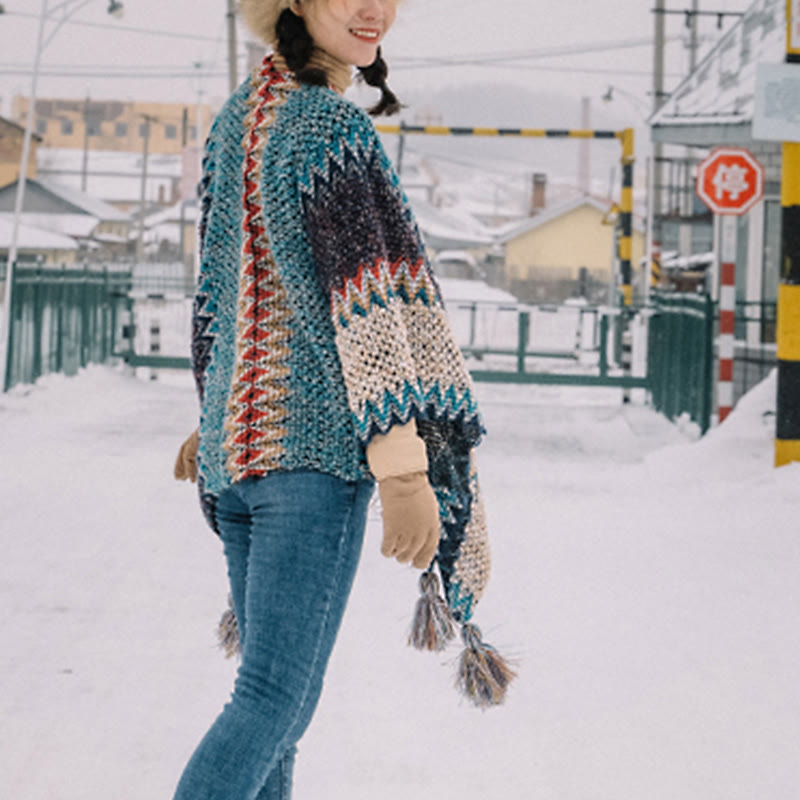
x=437, y=357
x=474, y=561
x=376, y=357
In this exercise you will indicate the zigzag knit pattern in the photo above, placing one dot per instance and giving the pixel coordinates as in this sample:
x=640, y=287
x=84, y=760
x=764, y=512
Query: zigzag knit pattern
x=318, y=322
x=257, y=406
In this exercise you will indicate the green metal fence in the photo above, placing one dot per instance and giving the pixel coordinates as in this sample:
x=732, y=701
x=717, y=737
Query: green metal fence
x=62, y=319
x=681, y=356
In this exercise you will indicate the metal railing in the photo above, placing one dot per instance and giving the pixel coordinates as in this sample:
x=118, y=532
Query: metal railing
x=62, y=319
x=755, y=350
x=680, y=356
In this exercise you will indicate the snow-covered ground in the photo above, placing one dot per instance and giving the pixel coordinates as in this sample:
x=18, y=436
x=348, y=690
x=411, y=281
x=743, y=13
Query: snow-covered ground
x=647, y=585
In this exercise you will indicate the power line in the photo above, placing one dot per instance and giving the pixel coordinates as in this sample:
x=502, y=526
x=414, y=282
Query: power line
x=122, y=28
x=181, y=73
x=522, y=55
x=111, y=75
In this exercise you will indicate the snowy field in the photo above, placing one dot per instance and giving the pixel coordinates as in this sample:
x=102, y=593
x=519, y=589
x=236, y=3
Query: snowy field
x=647, y=585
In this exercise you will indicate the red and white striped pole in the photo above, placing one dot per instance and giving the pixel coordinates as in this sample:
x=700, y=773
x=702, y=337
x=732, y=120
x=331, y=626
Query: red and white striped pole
x=727, y=313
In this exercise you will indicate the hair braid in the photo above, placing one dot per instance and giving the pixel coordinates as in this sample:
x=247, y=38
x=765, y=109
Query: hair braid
x=296, y=45
x=376, y=74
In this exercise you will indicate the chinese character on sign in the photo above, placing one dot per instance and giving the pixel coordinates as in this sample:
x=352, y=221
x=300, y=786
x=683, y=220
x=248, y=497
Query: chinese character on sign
x=730, y=179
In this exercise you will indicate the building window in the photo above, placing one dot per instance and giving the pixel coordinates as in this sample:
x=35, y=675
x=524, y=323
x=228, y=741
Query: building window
x=121, y=129
x=66, y=127
x=143, y=131
x=41, y=127
x=171, y=131
x=93, y=128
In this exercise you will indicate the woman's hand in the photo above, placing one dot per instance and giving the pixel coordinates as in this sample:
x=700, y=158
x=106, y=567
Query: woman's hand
x=410, y=519
x=186, y=462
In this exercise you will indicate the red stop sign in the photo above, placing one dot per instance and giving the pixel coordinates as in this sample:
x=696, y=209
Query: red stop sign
x=730, y=180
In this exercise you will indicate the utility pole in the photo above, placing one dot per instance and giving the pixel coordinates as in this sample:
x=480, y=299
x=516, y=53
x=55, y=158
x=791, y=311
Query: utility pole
x=401, y=148
x=787, y=423
x=585, y=149
x=658, y=147
x=143, y=196
x=693, y=38
x=233, y=75
x=85, y=165
x=184, y=143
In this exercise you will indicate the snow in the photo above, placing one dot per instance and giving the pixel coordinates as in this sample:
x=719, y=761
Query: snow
x=74, y=226
x=643, y=581
x=30, y=237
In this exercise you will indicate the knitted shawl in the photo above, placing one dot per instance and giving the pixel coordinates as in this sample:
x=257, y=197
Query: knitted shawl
x=318, y=321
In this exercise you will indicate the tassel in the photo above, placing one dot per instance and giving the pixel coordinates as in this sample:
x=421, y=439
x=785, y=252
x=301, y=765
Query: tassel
x=432, y=627
x=228, y=631
x=483, y=674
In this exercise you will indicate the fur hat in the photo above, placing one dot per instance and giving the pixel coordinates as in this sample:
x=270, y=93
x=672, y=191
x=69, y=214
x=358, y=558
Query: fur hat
x=261, y=17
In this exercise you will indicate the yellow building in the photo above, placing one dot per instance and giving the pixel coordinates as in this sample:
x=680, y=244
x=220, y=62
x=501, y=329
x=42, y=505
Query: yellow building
x=11, y=141
x=114, y=125
x=566, y=251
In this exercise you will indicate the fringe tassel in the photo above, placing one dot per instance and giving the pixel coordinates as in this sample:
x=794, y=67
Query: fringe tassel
x=228, y=631
x=432, y=627
x=483, y=674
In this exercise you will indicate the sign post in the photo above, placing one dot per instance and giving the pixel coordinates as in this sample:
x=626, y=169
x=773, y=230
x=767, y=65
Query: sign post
x=730, y=182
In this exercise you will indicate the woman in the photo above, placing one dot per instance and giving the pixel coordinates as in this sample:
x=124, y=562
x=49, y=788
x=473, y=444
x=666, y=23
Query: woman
x=323, y=361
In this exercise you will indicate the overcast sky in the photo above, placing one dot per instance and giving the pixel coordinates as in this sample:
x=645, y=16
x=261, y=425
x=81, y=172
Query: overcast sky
x=425, y=29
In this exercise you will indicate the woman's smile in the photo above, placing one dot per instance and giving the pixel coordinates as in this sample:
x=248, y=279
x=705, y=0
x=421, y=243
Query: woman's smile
x=350, y=30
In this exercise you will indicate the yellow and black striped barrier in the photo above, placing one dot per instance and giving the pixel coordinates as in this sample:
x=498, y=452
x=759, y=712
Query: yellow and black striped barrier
x=655, y=271
x=787, y=424
x=626, y=139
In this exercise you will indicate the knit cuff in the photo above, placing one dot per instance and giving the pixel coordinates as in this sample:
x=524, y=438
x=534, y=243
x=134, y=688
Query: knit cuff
x=398, y=452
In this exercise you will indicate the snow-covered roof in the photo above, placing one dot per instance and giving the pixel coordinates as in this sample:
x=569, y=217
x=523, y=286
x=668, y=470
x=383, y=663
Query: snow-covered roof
x=554, y=212
x=456, y=255
x=459, y=290
x=89, y=205
x=449, y=228
x=721, y=90
x=173, y=215
x=78, y=226
x=675, y=261
x=33, y=239
x=113, y=175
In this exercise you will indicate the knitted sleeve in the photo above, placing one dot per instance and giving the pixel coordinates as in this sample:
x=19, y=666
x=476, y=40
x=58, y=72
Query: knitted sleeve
x=399, y=358
x=205, y=194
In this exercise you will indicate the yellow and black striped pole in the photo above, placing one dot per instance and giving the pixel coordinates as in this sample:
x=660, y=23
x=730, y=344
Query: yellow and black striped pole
x=626, y=217
x=787, y=428
x=626, y=139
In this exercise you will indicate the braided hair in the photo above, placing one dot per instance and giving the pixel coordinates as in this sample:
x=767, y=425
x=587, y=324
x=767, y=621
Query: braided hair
x=296, y=46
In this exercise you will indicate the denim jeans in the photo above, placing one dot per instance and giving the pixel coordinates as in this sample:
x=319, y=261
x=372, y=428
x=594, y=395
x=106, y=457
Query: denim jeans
x=292, y=542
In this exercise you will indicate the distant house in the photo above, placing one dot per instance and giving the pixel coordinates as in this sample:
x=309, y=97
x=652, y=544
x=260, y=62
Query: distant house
x=170, y=234
x=36, y=245
x=564, y=251
x=93, y=224
x=11, y=141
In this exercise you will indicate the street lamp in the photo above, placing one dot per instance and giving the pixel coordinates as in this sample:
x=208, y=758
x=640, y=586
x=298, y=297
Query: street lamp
x=635, y=101
x=61, y=13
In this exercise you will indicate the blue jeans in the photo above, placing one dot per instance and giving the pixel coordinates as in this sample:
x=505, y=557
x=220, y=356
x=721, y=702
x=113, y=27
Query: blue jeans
x=292, y=543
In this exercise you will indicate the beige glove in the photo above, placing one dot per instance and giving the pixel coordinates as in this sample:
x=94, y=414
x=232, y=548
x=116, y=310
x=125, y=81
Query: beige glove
x=186, y=462
x=410, y=511
x=410, y=519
